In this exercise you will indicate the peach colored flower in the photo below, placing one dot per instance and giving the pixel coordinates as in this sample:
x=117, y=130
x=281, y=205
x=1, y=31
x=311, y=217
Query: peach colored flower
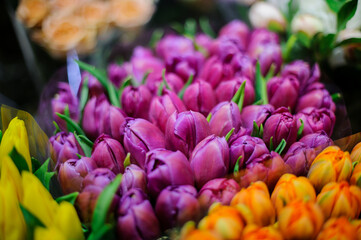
x=94, y=13
x=32, y=12
x=338, y=228
x=253, y=232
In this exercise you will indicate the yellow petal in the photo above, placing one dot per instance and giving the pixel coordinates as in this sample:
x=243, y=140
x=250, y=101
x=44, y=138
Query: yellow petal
x=38, y=200
x=15, y=136
x=67, y=221
x=10, y=175
x=48, y=233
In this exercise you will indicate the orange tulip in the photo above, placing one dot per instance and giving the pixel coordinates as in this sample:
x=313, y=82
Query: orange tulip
x=290, y=188
x=338, y=228
x=356, y=175
x=189, y=232
x=357, y=225
x=331, y=165
x=257, y=199
x=340, y=199
x=300, y=220
x=356, y=153
x=253, y=232
x=224, y=221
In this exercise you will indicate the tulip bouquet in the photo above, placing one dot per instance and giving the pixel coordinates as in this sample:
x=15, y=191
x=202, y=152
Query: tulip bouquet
x=177, y=119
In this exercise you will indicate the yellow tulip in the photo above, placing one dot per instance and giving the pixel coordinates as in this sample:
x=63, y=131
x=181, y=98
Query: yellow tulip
x=254, y=232
x=15, y=136
x=356, y=153
x=340, y=199
x=356, y=175
x=12, y=224
x=331, y=165
x=10, y=175
x=338, y=228
x=38, y=200
x=257, y=199
x=48, y=233
x=290, y=188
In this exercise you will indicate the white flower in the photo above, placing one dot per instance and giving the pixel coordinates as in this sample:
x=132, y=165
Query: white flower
x=307, y=24
x=265, y=15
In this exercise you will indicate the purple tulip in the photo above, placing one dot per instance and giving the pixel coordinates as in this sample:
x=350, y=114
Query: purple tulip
x=95, y=88
x=175, y=83
x=260, y=37
x=117, y=73
x=108, y=153
x=166, y=168
x=185, y=130
x=238, y=30
x=218, y=190
x=136, y=101
x=185, y=65
x=64, y=98
x=177, y=205
x=136, y=218
x=210, y=159
x=226, y=47
x=141, y=136
x=72, y=172
x=283, y=91
x=164, y=106
x=64, y=147
x=225, y=116
x=299, y=158
x=172, y=45
x=244, y=66
x=93, y=184
x=204, y=41
x=268, y=55
x=214, y=71
x=281, y=125
x=200, y=97
x=133, y=177
x=226, y=90
x=319, y=141
x=258, y=113
x=316, y=96
x=250, y=148
x=316, y=120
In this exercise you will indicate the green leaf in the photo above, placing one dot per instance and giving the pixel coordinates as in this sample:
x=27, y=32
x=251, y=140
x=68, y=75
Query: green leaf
x=287, y=48
x=164, y=80
x=206, y=27
x=57, y=128
x=71, y=197
x=127, y=160
x=271, y=73
x=261, y=88
x=101, y=233
x=241, y=96
x=156, y=36
x=348, y=42
x=300, y=129
x=336, y=97
x=236, y=167
x=1, y=135
x=190, y=28
x=336, y=5
x=103, y=204
x=229, y=134
x=160, y=89
x=260, y=134
x=32, y=222
x=281, y=146
x=72, y=126
x=304, y=39
x=84, y=94
x=85, y=144
x=255, y=130
x=354, y=165
x=292, y=10
x=19, y=160
x=209, y=117
x=145, y=76
x=322, y=45
x=43, y=175
x=177, y=27
x=346, y=12
x=258, y=102
x=271, y=144
x=35, y=164
x=184, y=88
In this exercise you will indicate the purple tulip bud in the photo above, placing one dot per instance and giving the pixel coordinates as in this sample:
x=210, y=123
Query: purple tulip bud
x=64, y=147
x=93, y=184
x=299, y=158
x=142, y=52
x=243, y=65
x=141, y=136
x=117, y=73
x=316, y=96
x=283, y=91
x=249, y=148
x=164, y=106
x=108, y=153
x=200, y=97
x=185, y=130
x=268, y=55
x=72, y=172
x=204, y=41
x=226, y=47
x=172, y=45
x=316, y=120
x=218, y=190
x=259, y=37
x=238, y=30
x=185, y=65
x=95, y=88
x=298, y=69
x=64, y=98
x=210, y=159
x=175, y=83
x=136, y=101
x=281, y=125
x=258, y=113
x=177, y=205
x=226, y=90
x=136, y=218
x=214, y=71
x=225, y=116
x=166, y=168
x=133, y=177
x=318, y=141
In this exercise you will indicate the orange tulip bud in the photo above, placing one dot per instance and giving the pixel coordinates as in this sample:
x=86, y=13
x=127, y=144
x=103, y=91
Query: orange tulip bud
x=356, y=175
x=290, y=188
x=331, y=165
x=300, y=220
x=253, y=232
x=357, y=225
x=224, y=221
x=340, y=199
x=338, y=228
x=189, y=232
x=257, y=199
x=356, y=153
